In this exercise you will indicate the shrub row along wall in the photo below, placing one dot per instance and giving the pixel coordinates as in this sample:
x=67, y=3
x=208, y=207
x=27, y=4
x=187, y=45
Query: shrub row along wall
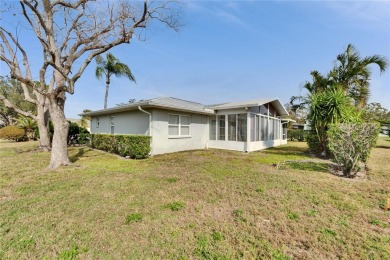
x=135, y=146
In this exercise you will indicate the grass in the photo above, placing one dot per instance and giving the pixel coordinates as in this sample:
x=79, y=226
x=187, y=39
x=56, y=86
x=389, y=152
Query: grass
x=206, y=204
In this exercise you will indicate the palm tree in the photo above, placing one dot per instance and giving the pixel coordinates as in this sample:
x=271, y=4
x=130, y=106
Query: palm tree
x=328, y=107
x=111, y=66
x=28, y=124
x=84, y=121
x=353, y=73
x=320, y=84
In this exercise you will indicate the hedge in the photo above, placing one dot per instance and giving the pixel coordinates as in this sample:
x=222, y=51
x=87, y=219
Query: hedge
x=14, y=133
x=134, y=146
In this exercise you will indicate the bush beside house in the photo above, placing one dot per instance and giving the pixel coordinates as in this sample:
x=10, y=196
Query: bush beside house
x=134, y=146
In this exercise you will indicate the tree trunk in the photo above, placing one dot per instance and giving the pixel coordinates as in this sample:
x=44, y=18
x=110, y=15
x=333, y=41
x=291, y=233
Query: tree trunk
x=106, y=96
x=59, y=151
x=43, y=126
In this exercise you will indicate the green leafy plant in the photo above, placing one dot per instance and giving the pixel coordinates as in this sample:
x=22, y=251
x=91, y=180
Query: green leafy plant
x=328, y=232
x=172, y=180
x=217, y=236
x=69, y=254
x=134, y=217
x=292, y=216
x=175, y=206
x=238, y=214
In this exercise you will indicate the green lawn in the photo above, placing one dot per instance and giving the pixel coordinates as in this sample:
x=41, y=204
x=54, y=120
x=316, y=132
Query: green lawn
x=208, y=204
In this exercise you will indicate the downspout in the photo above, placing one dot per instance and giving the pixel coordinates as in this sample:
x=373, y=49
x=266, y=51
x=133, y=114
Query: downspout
x=150, y=119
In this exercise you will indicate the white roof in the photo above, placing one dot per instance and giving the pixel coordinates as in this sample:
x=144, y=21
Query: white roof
x=188, y=106
x=162, y=102
x=253, y=103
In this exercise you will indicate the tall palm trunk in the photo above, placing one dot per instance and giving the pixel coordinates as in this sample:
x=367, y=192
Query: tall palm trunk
x=107, y=88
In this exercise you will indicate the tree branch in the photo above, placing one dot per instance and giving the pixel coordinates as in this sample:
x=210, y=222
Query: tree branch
x=8, y=104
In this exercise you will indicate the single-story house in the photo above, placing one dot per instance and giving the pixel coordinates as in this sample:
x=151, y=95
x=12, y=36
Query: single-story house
x=179, y=125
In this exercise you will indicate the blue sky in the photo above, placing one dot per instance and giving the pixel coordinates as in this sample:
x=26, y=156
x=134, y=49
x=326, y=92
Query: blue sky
x=238, y=50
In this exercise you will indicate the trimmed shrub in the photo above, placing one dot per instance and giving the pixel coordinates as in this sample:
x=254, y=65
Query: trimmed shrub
x=134, y=146
x=84, y=138
x=14, y=133
x=312, y=142
x=350, y=145
x=77, y=134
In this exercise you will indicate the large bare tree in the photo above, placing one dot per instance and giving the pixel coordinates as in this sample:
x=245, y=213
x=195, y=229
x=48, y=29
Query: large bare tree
x=71, y=34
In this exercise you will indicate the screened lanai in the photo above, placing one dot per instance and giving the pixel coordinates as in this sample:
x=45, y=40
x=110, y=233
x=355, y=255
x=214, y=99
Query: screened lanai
x=247, y=126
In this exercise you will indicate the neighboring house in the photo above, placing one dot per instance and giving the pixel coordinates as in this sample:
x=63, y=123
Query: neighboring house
x=299, y=126
x=179, y=125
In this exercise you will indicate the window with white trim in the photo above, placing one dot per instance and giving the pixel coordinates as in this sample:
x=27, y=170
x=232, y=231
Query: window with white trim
x=97, y=122
x=112, y=125
x=178, y=125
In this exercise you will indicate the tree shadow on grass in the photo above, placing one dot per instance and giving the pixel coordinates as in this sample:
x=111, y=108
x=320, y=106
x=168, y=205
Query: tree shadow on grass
x=309, y=166
x=77, y=156
x=382, y=147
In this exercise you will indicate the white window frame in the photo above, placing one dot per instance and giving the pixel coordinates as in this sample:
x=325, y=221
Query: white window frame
x=97, y=122
x=179, y=125
x=112, y=125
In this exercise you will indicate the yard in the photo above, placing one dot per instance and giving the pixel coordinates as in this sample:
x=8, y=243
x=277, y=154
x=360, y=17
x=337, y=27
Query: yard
x=208, y=204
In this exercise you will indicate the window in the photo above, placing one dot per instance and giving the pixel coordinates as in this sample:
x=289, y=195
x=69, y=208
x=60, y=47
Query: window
x=264, y=109
x=254, y=129
x=97, y=122
x=257, y=128
x=241, y=127
x=271, y=129
x=264, y=128
x=184, y=125
x=112, y=125
x=232, y=125
x=213, y=128
x=221, y=127
x=178, y=125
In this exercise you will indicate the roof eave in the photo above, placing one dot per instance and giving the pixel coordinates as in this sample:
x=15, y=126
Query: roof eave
x=147, y=105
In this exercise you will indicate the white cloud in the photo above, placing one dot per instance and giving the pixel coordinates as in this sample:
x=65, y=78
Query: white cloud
x=364, y=11
x=230, y=18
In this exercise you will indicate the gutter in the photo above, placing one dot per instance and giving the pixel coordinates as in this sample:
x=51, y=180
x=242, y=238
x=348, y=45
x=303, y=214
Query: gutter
x=150, y=119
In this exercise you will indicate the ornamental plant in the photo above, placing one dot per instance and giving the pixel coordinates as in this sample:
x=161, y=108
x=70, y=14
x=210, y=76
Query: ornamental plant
x=350, y=145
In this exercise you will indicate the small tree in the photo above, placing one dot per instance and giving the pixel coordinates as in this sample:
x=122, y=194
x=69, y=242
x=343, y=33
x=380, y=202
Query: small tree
x=111, y=66
x=328, y=107
x=29, y=125
x=350, y=144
